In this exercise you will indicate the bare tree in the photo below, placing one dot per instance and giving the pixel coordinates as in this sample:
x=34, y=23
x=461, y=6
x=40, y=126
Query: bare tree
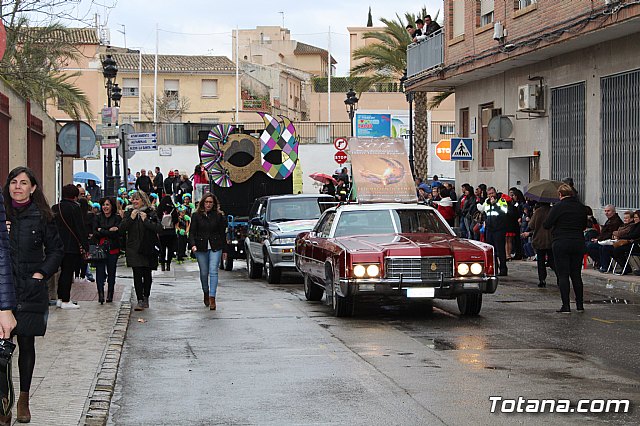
x=169, y=109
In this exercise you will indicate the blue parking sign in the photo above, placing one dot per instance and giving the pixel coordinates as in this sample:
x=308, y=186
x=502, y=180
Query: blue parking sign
x=461, y=149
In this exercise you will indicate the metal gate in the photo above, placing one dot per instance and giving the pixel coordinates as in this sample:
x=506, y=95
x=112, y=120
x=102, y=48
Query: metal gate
x=568, y=134
x=620, y=159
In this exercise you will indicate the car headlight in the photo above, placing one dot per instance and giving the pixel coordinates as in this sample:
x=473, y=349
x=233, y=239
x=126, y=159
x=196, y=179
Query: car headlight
x=370, y=270
x=476, y=268
x=359, y=271
x=373, y=270
x=463, y=269
x=284, y=241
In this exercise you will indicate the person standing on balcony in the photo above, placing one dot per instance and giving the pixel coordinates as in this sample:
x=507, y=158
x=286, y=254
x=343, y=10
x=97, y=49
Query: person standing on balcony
x=430, y=26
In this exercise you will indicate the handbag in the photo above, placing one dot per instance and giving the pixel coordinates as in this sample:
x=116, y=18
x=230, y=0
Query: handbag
x=96, y=253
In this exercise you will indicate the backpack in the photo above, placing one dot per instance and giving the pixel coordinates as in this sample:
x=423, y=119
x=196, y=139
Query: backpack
x=167, y=220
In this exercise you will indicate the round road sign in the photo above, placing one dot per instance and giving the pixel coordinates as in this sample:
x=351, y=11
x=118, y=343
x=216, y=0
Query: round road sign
x=340, y=144
x=340, y=157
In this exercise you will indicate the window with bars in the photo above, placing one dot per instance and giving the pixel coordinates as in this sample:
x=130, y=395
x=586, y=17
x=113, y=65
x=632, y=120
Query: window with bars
x=447, y=129
x=568, y=138
x=130, y=87
x=620, y=135
x=171, y=91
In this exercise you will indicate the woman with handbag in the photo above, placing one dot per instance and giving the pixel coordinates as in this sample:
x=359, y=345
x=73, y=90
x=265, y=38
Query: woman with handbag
x=107, y=236
x=142, y=227
x=36, y=254
x=207, y=238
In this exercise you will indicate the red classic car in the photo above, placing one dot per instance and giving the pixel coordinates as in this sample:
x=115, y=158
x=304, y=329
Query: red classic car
x=405, y=250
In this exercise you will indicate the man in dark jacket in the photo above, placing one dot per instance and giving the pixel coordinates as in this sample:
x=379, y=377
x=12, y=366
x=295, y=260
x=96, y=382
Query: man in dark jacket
x=7, y=289
x=567, y=221
x=541, y=241
x=158, y=182
x=143, y=183
x=495, y=227
x=601, y=254
x=94, y=190
x=74, y=235
x=169, y=183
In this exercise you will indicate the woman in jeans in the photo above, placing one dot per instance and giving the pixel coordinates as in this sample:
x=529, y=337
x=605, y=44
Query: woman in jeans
x=36, y=254
x=207, y=238
x=107, y=234
x=142, y=227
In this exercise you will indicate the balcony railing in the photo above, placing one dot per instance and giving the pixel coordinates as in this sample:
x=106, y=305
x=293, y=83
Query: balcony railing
x=425, y=55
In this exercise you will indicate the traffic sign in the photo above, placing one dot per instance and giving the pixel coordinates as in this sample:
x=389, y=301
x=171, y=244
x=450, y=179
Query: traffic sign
x=110, y=142
x=443, y=150
x=143, y=147
x=462, y=149
x=340, y=157
x=109, y=115
x=134, y=139
x=107, y=130
x=340, y=144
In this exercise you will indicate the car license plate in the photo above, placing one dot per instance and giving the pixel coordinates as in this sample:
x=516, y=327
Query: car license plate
x=421, y=292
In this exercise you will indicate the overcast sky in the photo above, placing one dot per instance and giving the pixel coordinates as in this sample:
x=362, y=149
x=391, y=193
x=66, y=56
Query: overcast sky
x=183, y=24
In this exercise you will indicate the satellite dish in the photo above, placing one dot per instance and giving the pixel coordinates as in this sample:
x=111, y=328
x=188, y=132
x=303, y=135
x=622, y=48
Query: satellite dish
x=68, y=139
x=500, y=127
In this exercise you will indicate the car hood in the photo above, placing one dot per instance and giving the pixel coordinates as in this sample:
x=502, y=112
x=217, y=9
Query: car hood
x=292, y=227
x=410, y=244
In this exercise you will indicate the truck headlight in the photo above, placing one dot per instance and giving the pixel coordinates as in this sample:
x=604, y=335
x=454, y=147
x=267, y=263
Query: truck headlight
x=373, y=270
x=476, y=268
x=463, y=269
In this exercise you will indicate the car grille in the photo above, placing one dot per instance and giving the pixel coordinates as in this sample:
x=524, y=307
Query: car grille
x=423, y=268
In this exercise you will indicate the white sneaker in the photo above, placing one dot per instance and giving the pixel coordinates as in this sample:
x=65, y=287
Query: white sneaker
x=69, y=305
x=59, y=303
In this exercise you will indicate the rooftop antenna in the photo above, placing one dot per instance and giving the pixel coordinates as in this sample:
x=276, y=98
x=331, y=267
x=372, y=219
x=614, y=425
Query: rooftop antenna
x=282, y=13
x=124, y=34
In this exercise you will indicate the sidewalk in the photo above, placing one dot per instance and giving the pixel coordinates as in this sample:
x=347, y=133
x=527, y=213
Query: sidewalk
x=590, y=276
x=78, y=355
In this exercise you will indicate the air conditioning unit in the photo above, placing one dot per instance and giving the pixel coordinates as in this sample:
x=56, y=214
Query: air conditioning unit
x=529, y=98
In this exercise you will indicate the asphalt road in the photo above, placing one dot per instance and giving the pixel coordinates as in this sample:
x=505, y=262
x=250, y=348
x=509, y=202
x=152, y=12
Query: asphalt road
x=267, y=356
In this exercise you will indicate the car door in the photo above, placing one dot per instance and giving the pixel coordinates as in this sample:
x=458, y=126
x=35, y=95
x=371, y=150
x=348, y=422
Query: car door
x=256, y=230
x=318, y=241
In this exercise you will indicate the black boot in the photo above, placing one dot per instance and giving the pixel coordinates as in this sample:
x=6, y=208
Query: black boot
x=101, y=295
x=168, y=266
x=162, y=266
x=110, y=295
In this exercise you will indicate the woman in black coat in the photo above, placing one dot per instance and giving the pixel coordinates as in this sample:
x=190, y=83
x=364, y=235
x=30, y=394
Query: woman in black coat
x=106, y=233
x=36, y=254
x=207, y=238
x=168, y=218
x=141, y=225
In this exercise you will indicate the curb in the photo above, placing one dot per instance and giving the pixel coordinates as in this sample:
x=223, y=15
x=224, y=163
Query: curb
x=99, y=399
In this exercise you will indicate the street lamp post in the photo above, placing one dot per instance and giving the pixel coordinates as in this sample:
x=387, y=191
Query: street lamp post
x=116, y=95
x=109, y=72
x=409, y=95
x=351, y=104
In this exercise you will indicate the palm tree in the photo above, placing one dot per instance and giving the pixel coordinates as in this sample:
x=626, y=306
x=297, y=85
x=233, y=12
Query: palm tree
x=32, y=66
x=386, y=61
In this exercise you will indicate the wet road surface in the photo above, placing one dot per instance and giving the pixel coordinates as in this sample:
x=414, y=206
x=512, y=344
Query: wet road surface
x=267, y=356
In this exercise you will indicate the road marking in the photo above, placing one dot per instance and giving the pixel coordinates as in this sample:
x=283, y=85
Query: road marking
x=612, y=321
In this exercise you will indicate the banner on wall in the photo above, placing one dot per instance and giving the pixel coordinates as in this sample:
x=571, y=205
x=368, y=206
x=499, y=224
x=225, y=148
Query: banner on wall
x=373, y=125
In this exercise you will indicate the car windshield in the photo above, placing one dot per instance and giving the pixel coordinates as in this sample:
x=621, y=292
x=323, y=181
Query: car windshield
x=364, y=222
x=419, y=221
x=295, y=209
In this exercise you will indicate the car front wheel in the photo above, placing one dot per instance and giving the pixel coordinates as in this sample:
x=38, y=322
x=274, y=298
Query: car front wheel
x=272, y=273
x=312, y=291
x=342, y=306
x=470, y=304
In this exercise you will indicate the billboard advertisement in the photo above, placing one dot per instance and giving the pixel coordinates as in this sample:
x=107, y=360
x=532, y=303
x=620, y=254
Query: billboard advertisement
x=373, y=125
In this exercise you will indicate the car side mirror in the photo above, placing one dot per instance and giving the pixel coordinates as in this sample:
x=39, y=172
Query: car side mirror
x=256, y=221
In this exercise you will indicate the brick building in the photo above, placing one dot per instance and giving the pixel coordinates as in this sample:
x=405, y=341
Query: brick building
x=565, y=74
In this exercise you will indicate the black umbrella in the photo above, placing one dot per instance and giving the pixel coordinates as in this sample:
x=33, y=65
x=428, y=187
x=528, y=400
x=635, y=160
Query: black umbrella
x=543, y=190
